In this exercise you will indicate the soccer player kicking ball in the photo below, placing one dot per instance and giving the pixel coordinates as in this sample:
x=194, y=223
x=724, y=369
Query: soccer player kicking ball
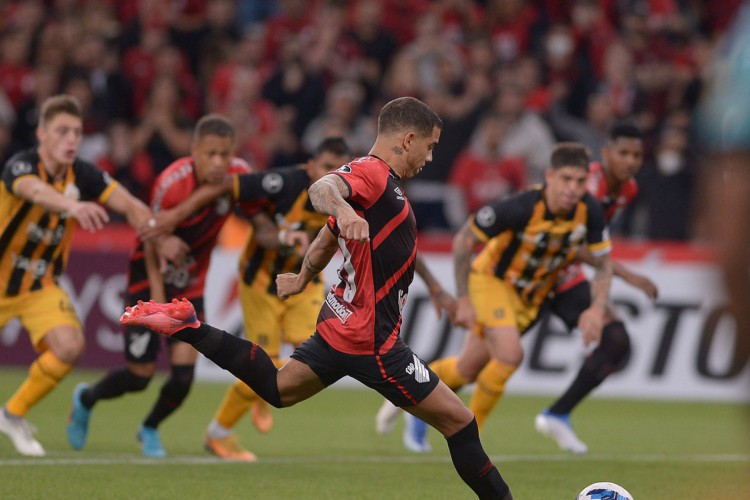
x=358, y=326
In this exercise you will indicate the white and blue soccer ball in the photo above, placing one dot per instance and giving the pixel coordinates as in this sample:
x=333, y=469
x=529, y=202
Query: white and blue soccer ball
x=604, y=491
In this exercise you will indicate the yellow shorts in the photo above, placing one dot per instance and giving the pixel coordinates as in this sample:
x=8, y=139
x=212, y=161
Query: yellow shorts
x=39, y=311
x=269, y=322
x=497, y=304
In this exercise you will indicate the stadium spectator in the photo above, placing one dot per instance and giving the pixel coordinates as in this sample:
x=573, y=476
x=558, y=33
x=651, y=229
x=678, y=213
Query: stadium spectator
x=164, y=130
x=355, y=336
x=36, y=189
x=129, y=166
x=481, y=174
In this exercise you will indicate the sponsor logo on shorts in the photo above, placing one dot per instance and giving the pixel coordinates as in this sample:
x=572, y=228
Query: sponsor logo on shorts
x=500, y=313
x=337, y=307
x=138, y=343
x=419, y=370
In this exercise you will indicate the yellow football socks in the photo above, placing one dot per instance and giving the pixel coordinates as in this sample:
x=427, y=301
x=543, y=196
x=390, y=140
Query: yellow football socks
x=237, y=401
x=489, y=389
x=44, y=374
x=447, y=370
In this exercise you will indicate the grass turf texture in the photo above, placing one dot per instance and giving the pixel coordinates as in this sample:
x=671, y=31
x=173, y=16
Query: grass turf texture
x=326, y=448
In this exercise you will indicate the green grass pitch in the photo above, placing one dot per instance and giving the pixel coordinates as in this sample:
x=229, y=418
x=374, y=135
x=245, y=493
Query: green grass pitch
x=327, y=448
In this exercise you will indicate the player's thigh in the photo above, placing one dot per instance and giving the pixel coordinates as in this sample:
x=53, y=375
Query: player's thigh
x=473, y=357
x=500, y=316
x=504, y=344
x=49, y=316
x=261, y=314
x=300, y=314
x=297, y=382
x=443, y=410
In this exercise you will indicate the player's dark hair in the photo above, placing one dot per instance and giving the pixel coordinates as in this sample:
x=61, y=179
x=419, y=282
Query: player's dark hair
x=57, y=104
x=408, y=113
x=569, y=154
x=628, y=130
x=214, y=124
x=335, y=145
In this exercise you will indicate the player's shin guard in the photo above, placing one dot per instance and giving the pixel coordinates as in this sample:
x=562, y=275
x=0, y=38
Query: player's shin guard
x=489, y=389
x=605, y=359
x=474, y=466
x=242, y=358
x=44, y=375
x=172, y=394
x=447, y=370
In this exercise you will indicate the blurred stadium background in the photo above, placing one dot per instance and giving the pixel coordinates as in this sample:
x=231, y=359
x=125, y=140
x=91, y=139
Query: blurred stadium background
x=508, y=77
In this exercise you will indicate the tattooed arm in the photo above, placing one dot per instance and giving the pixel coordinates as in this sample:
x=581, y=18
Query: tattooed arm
x=328, y=196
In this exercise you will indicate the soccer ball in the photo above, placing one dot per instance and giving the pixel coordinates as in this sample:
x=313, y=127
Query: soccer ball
x=604, y=491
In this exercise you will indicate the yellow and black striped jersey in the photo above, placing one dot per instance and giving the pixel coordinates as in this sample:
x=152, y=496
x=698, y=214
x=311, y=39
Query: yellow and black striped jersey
x=284, y=193
x=35, y=242
x=527, y=245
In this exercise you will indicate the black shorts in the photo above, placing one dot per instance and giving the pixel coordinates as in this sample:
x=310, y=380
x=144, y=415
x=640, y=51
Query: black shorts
x=399, y=375
x=143, y=345
x=569, y=304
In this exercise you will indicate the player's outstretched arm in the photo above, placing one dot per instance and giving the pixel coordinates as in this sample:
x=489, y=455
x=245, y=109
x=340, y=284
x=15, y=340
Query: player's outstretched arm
x=592, y=319
x=633, y=279
x=90, y=215
x=636, y=280
x=166, y=221
x=320, y=253
x=135, y=211
x=463, y=247
x=328, y=195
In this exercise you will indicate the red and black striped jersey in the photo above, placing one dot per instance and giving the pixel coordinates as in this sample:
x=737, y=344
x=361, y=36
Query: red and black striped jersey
x=596, y=185
x=362, y=312
x=199, y=231
x=283, y=193
x=35, y=242
x=527, y=245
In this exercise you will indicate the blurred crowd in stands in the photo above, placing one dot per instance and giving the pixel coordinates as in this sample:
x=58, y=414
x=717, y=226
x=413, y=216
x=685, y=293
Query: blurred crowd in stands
x=508, y=77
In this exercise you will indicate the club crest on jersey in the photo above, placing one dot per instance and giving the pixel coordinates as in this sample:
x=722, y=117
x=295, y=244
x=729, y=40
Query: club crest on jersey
x=339, y=309
x=20, y=168
x=485, y=217
x=272, y=183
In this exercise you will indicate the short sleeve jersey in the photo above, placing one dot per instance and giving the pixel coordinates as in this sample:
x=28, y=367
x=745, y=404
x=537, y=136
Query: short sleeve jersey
x=35, y=242
x=199, y=231
x=527, y=245
x=282, y=194
x=596, y=185
x=362, y=312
